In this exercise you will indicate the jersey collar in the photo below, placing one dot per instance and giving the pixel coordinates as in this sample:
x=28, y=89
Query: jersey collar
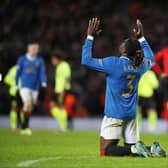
x=29, y=57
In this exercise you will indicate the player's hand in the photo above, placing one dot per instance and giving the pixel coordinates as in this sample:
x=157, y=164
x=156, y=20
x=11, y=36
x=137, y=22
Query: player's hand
x=44, y=84
x=138, y=29
x=93, y=27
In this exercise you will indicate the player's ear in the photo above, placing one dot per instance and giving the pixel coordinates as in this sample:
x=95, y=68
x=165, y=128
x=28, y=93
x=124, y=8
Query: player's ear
x=122, y=49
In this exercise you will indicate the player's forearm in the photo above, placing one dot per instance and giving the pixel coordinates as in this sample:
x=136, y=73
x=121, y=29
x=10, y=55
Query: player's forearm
x=148, y=53
x=87, y=52
x=44, y=81
x=43, y=77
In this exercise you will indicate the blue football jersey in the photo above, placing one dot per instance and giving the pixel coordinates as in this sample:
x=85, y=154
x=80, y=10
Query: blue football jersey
x=31, y=72
x=121, y=79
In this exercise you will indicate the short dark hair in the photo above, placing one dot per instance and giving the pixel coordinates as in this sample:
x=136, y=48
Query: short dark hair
x=58, y=53
x=134, y=51
x=32, y=41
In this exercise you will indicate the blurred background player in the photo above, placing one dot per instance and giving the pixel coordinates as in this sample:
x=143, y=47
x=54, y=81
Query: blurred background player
x=147, y=106
x=62, y=86
x=31, y=72
x=15, y=116
x=161, y=69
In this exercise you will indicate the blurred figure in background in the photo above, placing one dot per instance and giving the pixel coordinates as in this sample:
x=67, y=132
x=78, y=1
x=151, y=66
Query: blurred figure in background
x=31, y=72
x=15, y=116
x=62, y=86
x=161, y=68
x=147, y=106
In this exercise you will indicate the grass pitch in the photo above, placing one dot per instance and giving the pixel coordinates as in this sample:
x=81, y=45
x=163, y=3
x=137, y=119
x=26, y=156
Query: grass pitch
x=46, y=149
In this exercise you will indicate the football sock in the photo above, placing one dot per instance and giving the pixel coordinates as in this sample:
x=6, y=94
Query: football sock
x=13, y=119
x=70, y=123
x=21, y=116
x=118, y=151
x=60, y=115
x=64, y=121
x=152, y=120
x=25, y=123
x=133, y=149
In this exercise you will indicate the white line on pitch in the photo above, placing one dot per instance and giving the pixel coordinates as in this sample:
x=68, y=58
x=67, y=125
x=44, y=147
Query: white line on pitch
x=28, y=163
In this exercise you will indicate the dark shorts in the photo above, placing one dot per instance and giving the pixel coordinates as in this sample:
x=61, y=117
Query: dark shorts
x=16, y=101
x=57, y=100
x=146, y=104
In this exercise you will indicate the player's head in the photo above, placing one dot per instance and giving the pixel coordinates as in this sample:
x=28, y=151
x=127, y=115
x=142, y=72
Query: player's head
x=131, y=48
x=57, y=56
x=33, y=48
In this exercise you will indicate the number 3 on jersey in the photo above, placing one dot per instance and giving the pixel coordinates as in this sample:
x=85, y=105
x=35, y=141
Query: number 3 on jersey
x=130, y=85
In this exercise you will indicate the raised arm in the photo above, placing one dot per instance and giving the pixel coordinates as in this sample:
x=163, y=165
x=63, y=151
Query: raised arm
x=103, y=65
x=148, y=53
x=149, y=59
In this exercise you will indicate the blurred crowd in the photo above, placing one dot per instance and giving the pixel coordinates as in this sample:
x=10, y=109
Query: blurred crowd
x=62, y=24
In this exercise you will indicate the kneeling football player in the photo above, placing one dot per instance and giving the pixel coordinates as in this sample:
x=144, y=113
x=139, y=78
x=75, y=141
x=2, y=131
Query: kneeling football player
x=122, y=77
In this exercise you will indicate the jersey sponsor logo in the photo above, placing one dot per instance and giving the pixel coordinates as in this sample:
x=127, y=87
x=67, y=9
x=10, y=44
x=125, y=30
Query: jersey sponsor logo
x=30, y=70
x=37, y=63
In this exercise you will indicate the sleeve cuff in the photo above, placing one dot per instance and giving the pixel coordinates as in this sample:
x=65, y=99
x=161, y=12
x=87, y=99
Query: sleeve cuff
x=141, y=39
x=44, y=84
x=89, y=37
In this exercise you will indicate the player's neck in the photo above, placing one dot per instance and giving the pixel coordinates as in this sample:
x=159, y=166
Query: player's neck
x=30, y=57
x=61, y=61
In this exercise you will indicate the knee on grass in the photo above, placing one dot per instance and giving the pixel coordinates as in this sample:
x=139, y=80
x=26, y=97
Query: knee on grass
x=114, y=150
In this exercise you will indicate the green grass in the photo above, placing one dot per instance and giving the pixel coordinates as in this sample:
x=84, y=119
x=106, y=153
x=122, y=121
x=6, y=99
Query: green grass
x=69, y=150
